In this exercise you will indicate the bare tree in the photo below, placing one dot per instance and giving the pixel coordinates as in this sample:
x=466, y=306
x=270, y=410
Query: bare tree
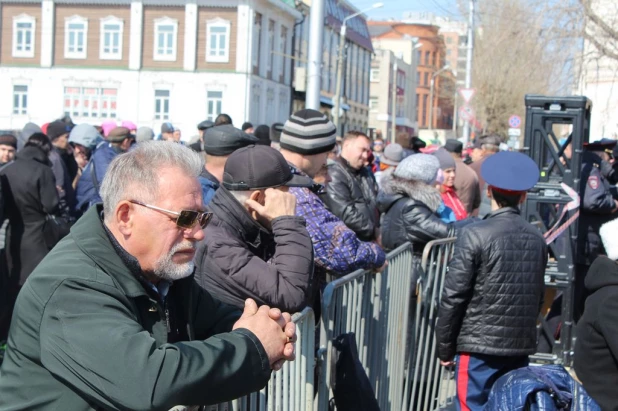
x=600, y=28
x=520, y=49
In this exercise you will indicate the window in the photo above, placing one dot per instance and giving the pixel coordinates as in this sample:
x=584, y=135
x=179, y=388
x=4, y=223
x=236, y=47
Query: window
x=218, y=41
x=373, y=104
x=257, y=41
x=283, y=45
x=23, y=36
x=426, y=79
x=20, y=100
x=214, y=100
x=75, y=35
x=111, y=38
x=166, y=31
x=374, y=75
x=427, y=57
x=162, y=105
x=90, y=102
x=271, y=49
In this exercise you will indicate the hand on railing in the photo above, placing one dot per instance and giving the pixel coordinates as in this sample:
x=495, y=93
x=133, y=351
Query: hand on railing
x=274, y=329
x=447, y=363
x=381, y=269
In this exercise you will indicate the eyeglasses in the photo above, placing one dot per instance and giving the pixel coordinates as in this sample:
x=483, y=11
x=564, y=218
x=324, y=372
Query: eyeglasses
x=184, y=218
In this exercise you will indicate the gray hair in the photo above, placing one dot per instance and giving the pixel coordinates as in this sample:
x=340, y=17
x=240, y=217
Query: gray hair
x=241, y=196
x=134, y=175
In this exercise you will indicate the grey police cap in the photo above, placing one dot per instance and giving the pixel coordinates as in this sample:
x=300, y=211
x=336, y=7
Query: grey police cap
x=223, y=140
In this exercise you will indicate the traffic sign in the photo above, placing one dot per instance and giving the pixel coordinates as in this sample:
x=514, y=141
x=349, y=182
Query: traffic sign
x=515, y=121
x=466, y=113
x=467, y=94
x=514, y=132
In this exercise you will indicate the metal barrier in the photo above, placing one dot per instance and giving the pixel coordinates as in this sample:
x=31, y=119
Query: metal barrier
x=374, y=306
x=291, y=388
x=429, y=386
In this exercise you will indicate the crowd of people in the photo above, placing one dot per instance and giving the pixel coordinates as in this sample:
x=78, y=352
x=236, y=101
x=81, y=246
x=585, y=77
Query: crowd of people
x=184, y=261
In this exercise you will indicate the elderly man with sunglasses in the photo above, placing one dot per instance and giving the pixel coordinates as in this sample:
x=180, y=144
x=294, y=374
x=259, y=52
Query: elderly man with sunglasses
x=112, y=318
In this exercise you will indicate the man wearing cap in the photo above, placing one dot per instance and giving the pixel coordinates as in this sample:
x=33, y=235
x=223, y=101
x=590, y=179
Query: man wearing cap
x=83, y=138
x=219, y=143
x=493, y=292
x=119, y=140
x=466, y=180
x=198, y=145
x=352, y=193
x=255, y=246
x=389, y=159
x=307, y=138
x=144, y=134
x=484, y=148
x=247, y=127
x=167, y=132
x=64, y=165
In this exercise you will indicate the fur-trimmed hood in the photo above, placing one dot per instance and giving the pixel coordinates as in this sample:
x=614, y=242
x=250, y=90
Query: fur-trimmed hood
x=609, y=236
x=394, y=188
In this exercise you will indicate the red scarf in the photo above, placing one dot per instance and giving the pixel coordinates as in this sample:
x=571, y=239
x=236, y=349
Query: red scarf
x=451, y=200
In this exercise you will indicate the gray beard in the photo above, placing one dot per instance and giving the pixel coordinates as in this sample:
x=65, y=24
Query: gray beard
x=167, y=269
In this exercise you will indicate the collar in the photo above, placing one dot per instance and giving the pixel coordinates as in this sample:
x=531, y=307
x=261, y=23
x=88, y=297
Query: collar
x=228, y=209
x=346, y=165
x=502, y=211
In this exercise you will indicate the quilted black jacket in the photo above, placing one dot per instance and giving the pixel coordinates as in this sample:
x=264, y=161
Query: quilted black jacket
x=351, y=196
x=494, y=288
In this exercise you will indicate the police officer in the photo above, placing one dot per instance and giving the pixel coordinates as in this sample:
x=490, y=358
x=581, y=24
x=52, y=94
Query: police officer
x=597, y=207
x=493, y=291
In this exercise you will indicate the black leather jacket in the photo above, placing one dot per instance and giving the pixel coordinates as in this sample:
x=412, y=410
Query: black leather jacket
x=409, y=209
x=351, y=196
x=494, y=287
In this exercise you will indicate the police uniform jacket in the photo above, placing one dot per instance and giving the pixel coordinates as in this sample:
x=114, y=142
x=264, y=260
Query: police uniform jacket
x=597, y=206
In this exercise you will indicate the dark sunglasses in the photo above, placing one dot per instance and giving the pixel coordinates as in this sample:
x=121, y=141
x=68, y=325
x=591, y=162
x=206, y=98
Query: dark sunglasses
x=184, y=218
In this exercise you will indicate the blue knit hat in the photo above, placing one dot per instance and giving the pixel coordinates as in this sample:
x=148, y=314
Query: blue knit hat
x=421, y=167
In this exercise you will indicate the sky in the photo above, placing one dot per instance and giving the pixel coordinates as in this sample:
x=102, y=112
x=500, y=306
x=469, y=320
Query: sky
x=395, y=8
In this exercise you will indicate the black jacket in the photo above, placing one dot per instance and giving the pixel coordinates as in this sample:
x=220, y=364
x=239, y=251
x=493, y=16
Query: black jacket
x=29, y=191
x=240, y=259
x=597, y=208
x=351, y=196
x=409, y=209
x=596, y=347
x=493, y=288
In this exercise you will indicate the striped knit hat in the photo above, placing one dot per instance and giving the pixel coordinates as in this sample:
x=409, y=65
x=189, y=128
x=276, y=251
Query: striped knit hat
x=308, y=132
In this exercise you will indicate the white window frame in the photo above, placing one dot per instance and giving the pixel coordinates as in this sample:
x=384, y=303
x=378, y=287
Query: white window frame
x=24, y=18
x=103, y=55
x=218, y=23
x=68, y=54
x=374, y=75
x=162, y=114
x=374, y=104
x=165, y=21
x=211, y=116
x=21, y=108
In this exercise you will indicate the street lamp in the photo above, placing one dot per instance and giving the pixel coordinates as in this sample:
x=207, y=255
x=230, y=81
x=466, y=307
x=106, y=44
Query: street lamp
x=337, y=102
x=433, y=77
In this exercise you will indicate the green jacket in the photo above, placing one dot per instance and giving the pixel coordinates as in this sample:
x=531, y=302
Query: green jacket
x=87, y=335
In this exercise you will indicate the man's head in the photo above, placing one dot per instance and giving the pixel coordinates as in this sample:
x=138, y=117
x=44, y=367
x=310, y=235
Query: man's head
x=151, y=196
x=223, y=119
x=167, y=132
x=355, y=149
x=41, y=141
x=455, y=147
x=485, y=147
x=247, y=127
x=144, y=134
x=262, y=133
x=307, y=138
x=122, y=138
x=58, y=133
x=177, y=135
x=378, y=145
x=203, y=126
x=509, y=175
x=220, y=142
x=84, y=138
x=251, y=170
x=8, y=146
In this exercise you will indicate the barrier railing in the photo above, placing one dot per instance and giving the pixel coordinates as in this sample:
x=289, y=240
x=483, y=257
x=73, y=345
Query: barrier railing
x=291, y=388
x=374, y=306
x=429, y=386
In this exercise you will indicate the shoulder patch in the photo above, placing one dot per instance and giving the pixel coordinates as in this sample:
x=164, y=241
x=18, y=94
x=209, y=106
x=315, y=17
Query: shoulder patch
x=593, y=182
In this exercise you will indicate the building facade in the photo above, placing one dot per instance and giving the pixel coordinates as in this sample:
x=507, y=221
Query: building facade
x=148, y=61
x=357, y=62
x=387, y=103
x=423, y=47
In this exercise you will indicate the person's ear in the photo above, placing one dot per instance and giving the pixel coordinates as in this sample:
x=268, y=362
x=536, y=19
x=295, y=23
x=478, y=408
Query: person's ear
x=489, y=194
x=124, y=217
x=257, y=196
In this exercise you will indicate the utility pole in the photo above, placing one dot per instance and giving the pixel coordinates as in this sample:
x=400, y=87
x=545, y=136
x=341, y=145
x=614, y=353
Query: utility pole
x=394, y=105
x=314, y=67
x=431, y=97
x=466, y=134
x=338, y=84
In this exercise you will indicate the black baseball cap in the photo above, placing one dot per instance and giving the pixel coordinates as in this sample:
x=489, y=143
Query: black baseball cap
x=260, y=167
